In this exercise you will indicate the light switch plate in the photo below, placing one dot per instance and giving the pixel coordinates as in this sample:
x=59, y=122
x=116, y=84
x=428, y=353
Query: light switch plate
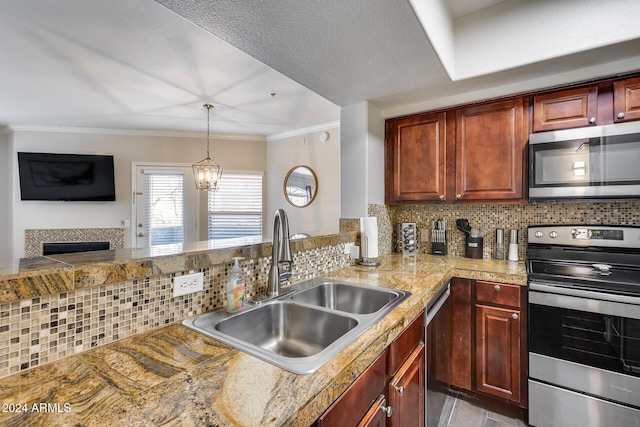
x=187, y=284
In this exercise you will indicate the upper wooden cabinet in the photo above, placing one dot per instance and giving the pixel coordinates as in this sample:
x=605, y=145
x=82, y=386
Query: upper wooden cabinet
x=490, y=151
x=474, y=154
x=626, y=100
x=565, y=109
x=415, y=159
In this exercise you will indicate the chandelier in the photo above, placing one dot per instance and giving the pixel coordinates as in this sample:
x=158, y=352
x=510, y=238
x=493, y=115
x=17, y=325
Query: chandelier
x=207, y=173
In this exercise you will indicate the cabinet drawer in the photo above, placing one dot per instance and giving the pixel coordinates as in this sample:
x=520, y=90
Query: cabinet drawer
x=353, y=404
x=498, y=293
x=406, y=342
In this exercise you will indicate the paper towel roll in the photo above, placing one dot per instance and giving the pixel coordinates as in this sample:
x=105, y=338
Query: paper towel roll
x=369, y=236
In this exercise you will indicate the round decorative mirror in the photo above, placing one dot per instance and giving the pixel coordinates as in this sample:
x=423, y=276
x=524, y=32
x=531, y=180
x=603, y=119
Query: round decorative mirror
x=300, y=186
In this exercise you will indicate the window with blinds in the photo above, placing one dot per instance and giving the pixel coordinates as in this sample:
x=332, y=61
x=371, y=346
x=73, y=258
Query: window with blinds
x=235, y=208
x=164, y=211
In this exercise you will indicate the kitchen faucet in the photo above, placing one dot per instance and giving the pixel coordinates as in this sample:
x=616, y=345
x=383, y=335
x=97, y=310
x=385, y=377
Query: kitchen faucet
x=281, y=259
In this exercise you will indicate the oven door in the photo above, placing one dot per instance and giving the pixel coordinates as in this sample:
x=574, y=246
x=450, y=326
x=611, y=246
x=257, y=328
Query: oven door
x=585, y=341
x=583, y=358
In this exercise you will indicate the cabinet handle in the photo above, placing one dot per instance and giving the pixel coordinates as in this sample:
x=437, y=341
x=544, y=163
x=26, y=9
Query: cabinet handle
x=514, y=316
x=458, y=196
x=592, y=120
x=388, y=410
x=441, y=197
x=620, y=116
x=399, y=389
x=496, y=287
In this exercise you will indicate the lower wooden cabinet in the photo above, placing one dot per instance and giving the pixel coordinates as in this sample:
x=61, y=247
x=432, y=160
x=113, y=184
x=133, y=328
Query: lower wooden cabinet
x=498, y=352
x=390, y=392
x=406, y=391
x=488, y=339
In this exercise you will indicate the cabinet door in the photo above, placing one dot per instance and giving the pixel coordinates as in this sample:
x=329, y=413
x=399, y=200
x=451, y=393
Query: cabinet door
x=415, y=159
x=406, y=391
x=566, y=109
x=355, y=402
x=626, y=99
x=490, y=155
x=498, y=352
x=377, y=414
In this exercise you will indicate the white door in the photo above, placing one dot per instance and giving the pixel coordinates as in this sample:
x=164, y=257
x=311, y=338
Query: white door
x=165, y=205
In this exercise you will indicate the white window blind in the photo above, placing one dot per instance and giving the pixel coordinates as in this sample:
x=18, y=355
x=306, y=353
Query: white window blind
x=235, y=208
x=164, y=213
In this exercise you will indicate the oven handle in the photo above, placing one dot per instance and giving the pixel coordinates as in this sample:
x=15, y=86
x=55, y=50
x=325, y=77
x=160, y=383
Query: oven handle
x=576, y=299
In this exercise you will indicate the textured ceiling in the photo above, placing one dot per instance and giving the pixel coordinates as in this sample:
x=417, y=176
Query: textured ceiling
x=136, y=65
x=340, y=49
x=145, y=64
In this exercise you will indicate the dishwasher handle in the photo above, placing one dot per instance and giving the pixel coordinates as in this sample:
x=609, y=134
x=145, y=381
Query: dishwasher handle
x=432, y=310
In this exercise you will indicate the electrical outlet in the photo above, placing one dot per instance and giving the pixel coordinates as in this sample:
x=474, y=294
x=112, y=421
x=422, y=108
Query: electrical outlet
x=187, y=284
x=347, y=248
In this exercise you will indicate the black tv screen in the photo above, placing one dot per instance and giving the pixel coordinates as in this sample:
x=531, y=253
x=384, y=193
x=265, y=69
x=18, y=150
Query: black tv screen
x=68, y=177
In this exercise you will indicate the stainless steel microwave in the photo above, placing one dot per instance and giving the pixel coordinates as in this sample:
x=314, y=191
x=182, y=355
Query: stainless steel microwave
x=599, y=162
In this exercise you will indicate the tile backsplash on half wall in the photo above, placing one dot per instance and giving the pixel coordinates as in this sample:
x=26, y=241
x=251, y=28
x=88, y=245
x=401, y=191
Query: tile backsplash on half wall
x=507, y=217
x=41, y=330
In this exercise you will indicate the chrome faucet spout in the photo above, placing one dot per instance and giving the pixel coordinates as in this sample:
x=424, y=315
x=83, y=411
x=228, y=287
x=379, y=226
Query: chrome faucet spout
x=281, y=258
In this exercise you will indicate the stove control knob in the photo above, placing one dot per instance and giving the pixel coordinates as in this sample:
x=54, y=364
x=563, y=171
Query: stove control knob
x=539, y=234
x=553, y=234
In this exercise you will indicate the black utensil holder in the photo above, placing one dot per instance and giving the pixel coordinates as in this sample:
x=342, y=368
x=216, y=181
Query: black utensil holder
x=473, y=247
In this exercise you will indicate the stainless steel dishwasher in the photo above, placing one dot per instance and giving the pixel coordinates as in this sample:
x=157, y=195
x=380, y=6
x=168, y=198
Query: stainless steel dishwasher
x=437, y=318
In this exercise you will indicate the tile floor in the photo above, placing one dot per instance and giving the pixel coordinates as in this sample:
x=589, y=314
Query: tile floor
x=463, y=411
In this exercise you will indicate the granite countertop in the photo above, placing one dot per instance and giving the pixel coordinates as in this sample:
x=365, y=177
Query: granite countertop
x=176, y=377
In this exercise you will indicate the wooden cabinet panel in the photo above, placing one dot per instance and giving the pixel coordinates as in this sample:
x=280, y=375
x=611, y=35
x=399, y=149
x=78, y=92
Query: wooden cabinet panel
x=566, y=109
x=376, y=416
x=404, y=344
x=461, y=332
x=490, y=142
x=406, y=391
x=498, y=352
x=353, y=404
x=416, y=159
x=626, y=99
x=498, y=293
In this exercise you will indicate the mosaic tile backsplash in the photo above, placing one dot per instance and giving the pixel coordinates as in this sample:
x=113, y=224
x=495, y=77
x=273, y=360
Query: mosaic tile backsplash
x=507, y=217
x=40, y=330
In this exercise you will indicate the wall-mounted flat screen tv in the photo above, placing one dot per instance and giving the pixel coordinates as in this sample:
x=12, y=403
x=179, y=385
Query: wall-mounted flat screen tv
x=68, y=177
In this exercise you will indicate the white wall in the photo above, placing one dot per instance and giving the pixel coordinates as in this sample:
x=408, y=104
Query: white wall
x=231, y=154
x=362, y=159
x=5, y=174
x=322, y=215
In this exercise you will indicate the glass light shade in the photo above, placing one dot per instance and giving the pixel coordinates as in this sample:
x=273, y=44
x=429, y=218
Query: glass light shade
x=207, y=174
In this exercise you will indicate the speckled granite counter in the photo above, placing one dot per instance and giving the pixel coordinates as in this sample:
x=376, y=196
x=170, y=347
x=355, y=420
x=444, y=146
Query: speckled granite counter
x=176, y=377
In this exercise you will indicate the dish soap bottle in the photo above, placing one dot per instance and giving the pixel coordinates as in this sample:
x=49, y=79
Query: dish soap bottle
x=235, y=288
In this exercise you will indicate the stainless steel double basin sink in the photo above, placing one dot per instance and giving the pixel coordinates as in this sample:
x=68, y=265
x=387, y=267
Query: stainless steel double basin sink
x=302, y=330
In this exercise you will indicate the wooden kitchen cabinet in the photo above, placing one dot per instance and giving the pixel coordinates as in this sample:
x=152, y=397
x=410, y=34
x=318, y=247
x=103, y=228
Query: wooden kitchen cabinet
x=474, y=154
x=350, y=408
x=416, y=159
x=565, y=109
x=406, y=391
x=390, y=392
x=626, y=99
x=490, y=151
x=487, y=340
x=498, y=340
x=461, y=333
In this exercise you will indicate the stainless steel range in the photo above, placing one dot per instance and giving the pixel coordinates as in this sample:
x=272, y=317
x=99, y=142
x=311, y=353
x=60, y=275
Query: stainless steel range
x=584, y=326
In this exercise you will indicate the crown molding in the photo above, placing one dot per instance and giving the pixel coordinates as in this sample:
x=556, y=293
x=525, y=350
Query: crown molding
x=303, y=131
x=129, y=132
